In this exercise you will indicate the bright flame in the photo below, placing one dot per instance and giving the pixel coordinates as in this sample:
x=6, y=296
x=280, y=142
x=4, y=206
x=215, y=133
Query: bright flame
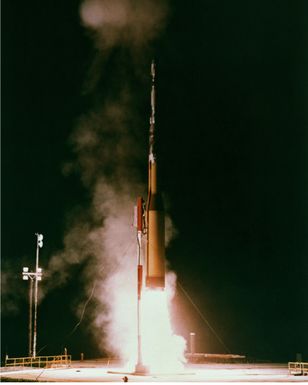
x=162, y=350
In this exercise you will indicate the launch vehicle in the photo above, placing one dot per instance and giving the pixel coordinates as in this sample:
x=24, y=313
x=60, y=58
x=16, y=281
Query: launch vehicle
x=151, y=218
x=155, y=216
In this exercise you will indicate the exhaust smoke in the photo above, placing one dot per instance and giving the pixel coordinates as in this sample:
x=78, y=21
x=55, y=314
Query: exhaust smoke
x=108, y=146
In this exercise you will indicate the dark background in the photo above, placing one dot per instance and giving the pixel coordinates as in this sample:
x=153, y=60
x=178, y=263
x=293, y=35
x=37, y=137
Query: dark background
x=232, y=123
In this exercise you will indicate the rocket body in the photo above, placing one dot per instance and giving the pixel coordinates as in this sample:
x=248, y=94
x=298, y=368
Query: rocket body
x=155, y=216
x=155, y=276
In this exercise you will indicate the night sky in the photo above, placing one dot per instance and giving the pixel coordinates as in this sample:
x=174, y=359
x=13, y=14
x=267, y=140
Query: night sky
x=232, y=89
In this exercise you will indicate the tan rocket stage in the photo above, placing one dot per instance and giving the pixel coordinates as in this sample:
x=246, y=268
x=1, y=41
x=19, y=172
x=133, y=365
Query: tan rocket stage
x=155, y=216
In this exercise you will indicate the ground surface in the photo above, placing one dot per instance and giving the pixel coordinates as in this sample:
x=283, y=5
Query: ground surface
x=99, y=371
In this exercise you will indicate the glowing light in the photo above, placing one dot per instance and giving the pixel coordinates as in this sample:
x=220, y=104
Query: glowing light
x=162, y=350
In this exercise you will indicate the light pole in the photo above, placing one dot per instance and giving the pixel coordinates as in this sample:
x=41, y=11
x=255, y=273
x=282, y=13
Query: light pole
x=25, y=276
x=36, y=276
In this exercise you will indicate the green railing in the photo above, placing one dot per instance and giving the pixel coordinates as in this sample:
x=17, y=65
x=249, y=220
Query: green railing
x=40, y=362
x=298, y=368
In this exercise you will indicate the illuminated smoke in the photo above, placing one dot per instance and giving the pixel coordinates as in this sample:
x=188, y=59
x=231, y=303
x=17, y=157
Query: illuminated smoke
x=162, y=350
x=129, y=22
x=109, y=148
x=10, y=295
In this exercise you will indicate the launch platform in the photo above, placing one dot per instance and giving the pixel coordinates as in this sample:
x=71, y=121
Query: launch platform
x=99, y=371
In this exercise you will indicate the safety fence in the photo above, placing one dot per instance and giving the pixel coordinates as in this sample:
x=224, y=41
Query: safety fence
x=40, y=362
x=298, y=368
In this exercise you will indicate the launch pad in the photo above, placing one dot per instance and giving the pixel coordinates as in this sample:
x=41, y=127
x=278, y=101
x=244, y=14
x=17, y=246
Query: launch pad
x=140, y=370
x=144, y=371
x=103, y=371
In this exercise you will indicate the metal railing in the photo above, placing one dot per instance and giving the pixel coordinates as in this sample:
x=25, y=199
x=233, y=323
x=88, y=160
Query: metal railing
x=298, y=368
x=40, y=362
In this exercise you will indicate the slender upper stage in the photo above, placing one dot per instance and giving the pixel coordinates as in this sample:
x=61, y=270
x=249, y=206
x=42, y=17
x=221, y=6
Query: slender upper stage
x=155, y=216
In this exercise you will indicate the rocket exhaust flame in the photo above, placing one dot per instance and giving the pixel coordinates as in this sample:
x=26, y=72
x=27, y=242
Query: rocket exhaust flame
x=162, y=350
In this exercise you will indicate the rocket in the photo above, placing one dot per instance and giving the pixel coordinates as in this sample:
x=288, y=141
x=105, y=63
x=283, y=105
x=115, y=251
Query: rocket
x=155, y=216
x=150, y=220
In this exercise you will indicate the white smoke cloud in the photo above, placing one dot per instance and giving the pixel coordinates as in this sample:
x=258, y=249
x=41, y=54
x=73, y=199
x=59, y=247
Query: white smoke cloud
x=107, y=149
x=12, y=290
x=129, y=22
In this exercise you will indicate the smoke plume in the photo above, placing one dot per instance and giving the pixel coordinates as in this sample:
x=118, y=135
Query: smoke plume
x=109, y=148
x=130, y=22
